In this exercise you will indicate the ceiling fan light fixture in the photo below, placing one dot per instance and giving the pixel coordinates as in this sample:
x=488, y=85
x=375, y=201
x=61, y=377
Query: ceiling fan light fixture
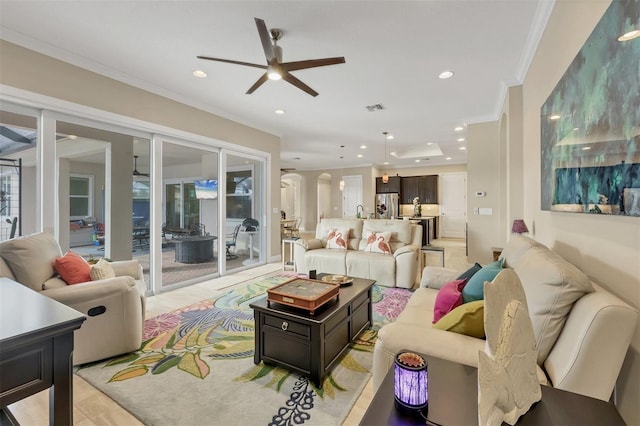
x=274, y=72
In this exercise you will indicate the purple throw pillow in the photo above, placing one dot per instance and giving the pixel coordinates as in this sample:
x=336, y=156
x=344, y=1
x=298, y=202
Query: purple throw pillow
x=448, y=298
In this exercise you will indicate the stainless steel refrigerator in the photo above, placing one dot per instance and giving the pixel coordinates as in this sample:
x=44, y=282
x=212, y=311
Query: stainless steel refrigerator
x=387, y=206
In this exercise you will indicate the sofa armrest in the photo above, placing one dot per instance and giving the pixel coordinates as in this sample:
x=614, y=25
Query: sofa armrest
x=93, y=290
x=131, y=268
x=300, y=247
x=405, y=249
x=436, y=277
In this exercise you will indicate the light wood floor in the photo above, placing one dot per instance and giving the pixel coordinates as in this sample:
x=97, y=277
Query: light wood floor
x=93, y=408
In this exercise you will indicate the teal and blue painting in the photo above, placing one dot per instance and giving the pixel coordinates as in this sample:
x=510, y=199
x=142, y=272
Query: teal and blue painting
x=590, y=123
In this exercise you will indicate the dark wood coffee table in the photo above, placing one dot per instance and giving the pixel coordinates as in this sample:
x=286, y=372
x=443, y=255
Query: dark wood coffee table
x=312, y=344
x=453, y=400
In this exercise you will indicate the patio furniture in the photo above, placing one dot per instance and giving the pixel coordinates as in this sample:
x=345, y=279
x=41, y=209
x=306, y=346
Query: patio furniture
x=195, y=249
x=231, y=244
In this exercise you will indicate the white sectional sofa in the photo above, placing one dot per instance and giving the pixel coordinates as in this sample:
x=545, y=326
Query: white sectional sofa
x=582, y=331
x=397, y=269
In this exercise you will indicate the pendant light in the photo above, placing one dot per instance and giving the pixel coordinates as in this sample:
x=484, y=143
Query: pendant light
x=385, y=176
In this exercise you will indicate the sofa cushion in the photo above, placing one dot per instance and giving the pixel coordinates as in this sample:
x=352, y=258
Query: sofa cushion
x=72, y=268
x=330, y=261
x=353, y=225
x=101, y=270
x=474, y=288
x=377, y=242
x=448, y=298
x=516, y=248
x=373, y=266
x=466, y=319
x=337, y=238
x=400, y=229
x=551, y=285
x=30, y=258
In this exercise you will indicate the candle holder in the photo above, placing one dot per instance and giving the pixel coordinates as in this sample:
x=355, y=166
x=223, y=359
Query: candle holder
x=410, y=385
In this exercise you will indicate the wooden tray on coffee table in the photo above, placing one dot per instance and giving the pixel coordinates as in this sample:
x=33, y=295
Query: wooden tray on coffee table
x=303, y=293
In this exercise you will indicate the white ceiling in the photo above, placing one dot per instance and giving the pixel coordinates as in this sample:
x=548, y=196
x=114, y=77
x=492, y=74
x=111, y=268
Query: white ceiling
x=394, y=51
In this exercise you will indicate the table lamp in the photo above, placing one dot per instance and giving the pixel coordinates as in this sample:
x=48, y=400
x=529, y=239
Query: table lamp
x=410, y=385
x=519, y=227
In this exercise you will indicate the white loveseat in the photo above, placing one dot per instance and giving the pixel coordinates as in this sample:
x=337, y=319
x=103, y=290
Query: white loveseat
x=114, y=307
x=590, y=342
x=399, y=269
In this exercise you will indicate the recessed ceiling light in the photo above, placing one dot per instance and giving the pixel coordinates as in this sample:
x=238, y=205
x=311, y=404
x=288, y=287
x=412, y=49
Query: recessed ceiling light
x=359, y=155
x=199, y=73
x=586, y=148
x=417, y=160
x=429, y=143
x=385, y=163
x=390, y=136
x=458, y=129
x=72, y=137
x=460, y=139
x=462, y=148
x=445, y=74
x=629, y=35
x=363, y=147
x=448, y=158
x=279, y=111
x=554, y=116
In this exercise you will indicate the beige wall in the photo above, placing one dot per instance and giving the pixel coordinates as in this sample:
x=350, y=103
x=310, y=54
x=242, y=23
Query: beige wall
x=484, y=174
x=607, y=248
x=27, y=70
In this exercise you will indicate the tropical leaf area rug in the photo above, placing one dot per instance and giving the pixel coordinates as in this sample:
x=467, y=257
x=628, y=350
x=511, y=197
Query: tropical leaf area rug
x=195, y=367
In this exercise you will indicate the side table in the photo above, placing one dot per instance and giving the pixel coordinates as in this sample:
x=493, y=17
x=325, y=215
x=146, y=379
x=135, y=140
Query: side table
x=453, y=400
x=288, y=265
x=430, y=248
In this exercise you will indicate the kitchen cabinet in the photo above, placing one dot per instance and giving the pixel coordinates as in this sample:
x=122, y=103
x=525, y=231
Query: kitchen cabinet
x=390, y=187
x=423, y=187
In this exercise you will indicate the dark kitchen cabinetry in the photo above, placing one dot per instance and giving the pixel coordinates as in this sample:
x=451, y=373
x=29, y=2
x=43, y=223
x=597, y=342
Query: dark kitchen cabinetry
x=424, y=187
x=390, y=187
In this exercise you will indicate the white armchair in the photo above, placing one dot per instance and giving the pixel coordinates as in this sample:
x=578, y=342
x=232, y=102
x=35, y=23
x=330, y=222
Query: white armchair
x=114, y=307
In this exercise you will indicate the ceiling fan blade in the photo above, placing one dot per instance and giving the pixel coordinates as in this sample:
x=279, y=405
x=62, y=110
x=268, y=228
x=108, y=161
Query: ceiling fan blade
x=312, y=63
x=265, y=38
x=258, y=83
x=299, y=84
x=229, y=61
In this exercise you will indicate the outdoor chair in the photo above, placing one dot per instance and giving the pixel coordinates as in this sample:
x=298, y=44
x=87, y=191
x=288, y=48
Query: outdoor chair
x=231, y=243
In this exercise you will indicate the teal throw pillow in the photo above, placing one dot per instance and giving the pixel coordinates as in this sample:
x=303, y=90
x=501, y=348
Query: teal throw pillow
x=474, y=290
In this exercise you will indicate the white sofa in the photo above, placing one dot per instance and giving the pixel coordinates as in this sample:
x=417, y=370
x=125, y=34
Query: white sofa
x=114, y=307
x=400, y=269
x=590, y=342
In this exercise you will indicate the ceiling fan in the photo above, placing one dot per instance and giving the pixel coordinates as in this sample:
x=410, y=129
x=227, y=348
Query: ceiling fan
x=275, y=68
x=135, y=168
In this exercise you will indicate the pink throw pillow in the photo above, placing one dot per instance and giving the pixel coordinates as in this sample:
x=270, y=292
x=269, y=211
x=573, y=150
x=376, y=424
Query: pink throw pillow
x=448, y=298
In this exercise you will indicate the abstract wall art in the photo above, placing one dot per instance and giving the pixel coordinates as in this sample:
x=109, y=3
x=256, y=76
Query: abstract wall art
x=590, y=123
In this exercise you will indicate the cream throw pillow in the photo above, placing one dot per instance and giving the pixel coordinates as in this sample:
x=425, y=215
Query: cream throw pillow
x=378, y=242
x=101, y=271
x=338, y=238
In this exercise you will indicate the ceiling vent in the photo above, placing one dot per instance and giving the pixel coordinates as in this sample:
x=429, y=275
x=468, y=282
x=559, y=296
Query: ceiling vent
x=376, y=107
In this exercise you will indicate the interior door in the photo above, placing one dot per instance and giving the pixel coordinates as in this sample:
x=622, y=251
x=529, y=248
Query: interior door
x=351, y=195
x=453, y=207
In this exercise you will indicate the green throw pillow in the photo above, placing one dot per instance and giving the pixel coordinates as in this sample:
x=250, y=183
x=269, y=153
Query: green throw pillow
x=474, y=290
x=465, y=319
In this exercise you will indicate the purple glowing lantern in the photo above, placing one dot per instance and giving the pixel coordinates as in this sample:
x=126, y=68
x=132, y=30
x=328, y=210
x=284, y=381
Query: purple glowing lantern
x=410, y=382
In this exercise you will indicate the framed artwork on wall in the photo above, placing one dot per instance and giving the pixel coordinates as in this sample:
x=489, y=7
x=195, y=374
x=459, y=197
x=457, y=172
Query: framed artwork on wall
x=590, y=123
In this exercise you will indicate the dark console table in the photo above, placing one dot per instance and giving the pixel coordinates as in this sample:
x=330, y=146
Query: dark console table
x=194, y=249
x=312, y=344
x=453, y=400
x=36, y=344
